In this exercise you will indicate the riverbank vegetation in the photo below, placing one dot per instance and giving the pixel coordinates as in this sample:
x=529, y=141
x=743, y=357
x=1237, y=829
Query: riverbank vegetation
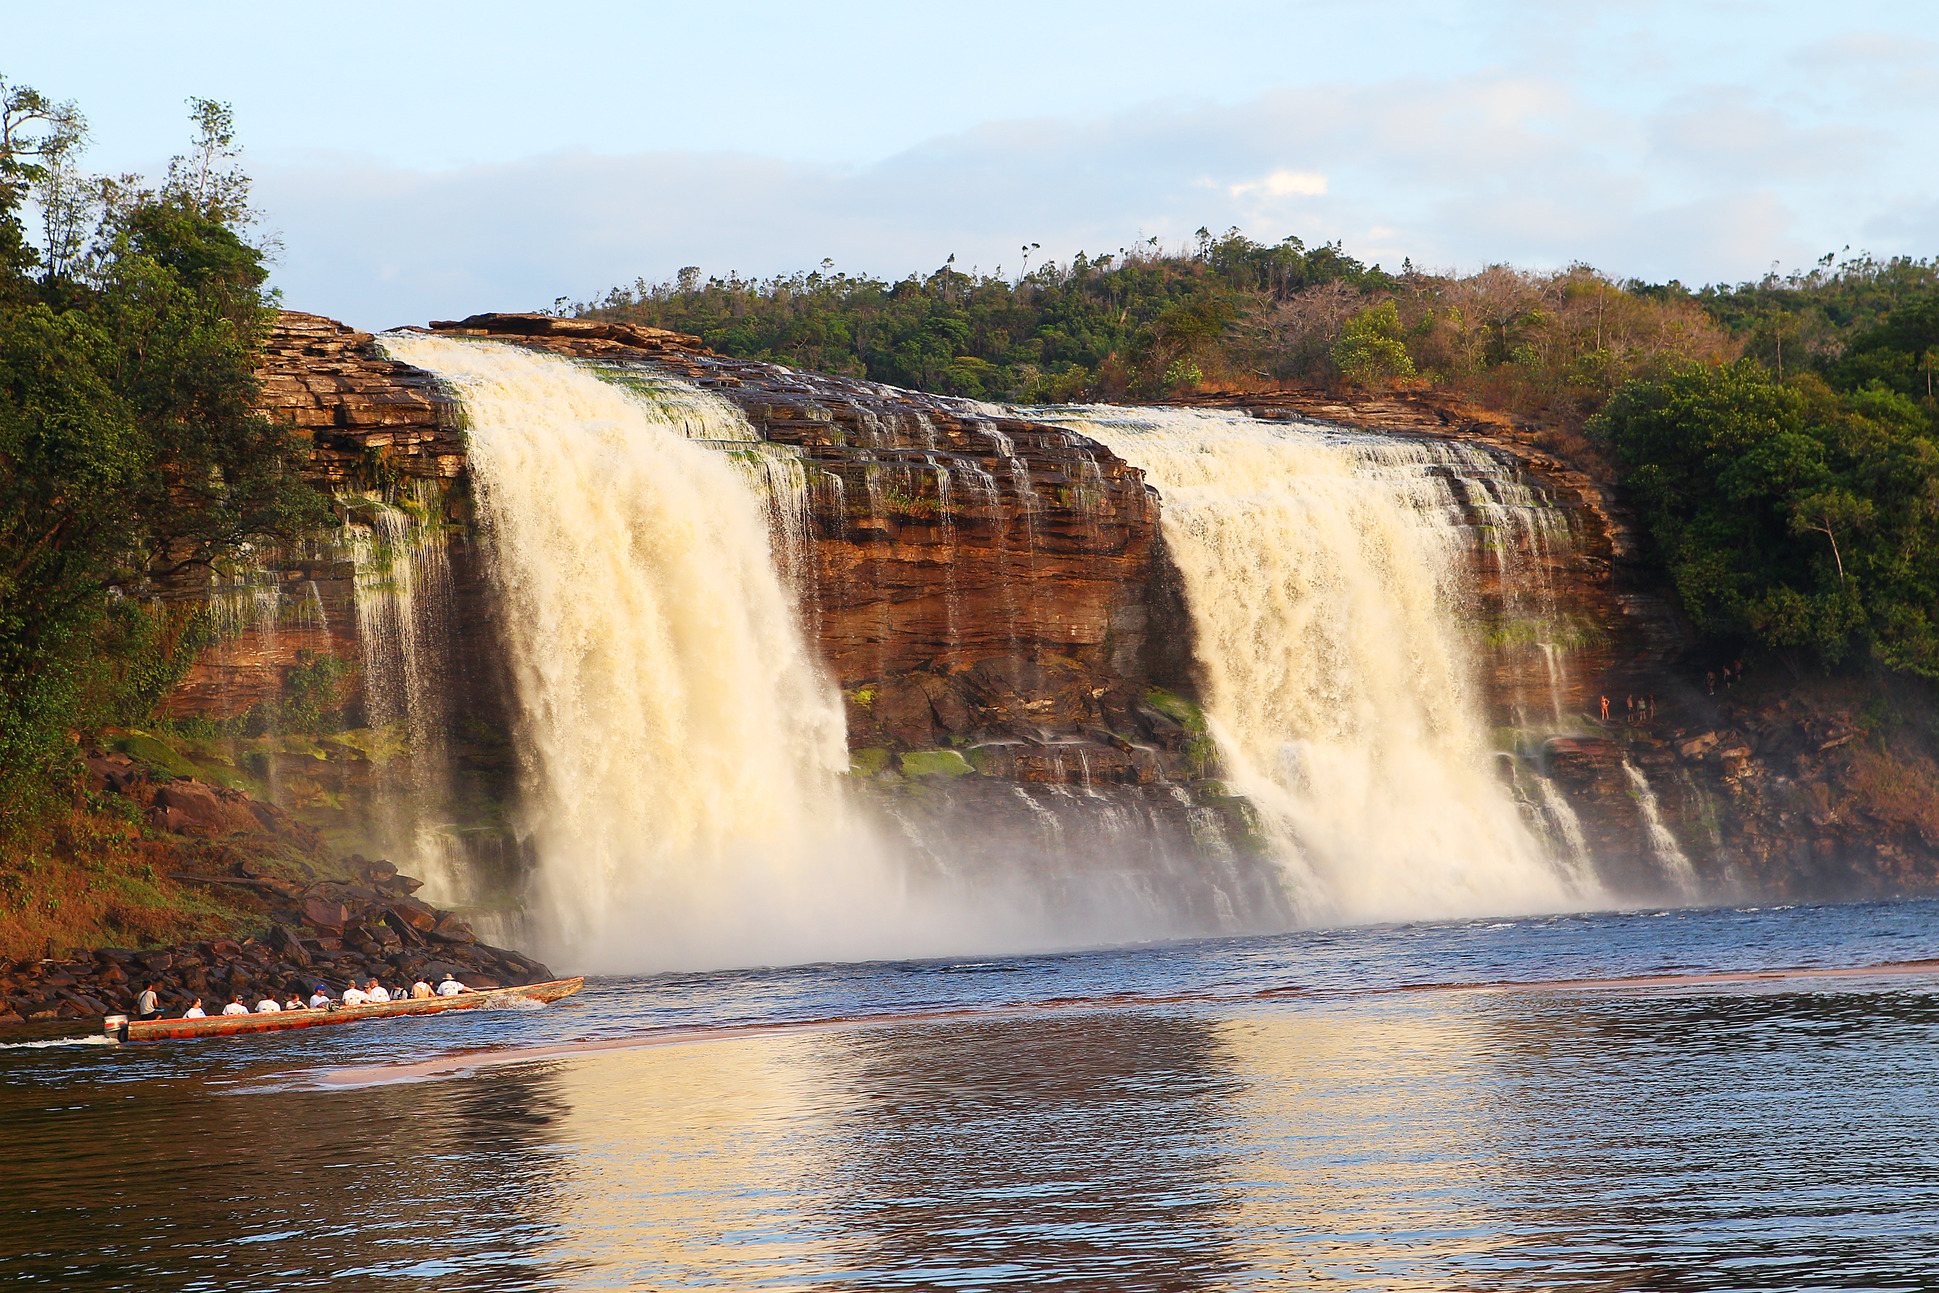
x=132, y=460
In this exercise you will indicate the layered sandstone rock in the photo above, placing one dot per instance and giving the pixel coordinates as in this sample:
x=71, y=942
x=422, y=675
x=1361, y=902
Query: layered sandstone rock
x=994, y=598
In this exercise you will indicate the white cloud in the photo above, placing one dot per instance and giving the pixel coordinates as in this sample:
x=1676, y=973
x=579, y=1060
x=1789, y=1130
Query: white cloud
x=1281, y=184
x=1715, y=183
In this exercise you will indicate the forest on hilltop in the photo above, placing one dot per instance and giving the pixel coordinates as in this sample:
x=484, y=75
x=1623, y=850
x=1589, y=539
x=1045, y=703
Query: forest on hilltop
x=1779, y=436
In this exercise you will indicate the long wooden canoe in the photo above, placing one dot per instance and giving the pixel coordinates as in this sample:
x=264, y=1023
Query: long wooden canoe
x=122, y=1029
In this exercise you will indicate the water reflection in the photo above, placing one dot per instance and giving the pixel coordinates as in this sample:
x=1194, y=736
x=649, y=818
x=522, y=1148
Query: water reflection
x=1080, y=1152
x=1733, y=1136
x=1705, y=1141
x=171, y=1186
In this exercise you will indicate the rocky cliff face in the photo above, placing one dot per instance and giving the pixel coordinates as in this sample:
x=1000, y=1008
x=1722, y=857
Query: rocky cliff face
x=994, y=598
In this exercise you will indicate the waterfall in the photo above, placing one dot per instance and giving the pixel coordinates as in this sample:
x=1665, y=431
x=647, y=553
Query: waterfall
x=403, y=594
x=681, y=748
x=1325, y=575
x=1668, y=853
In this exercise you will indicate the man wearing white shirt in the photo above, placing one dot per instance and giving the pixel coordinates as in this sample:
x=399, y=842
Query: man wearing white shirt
x=235, y=1006
x=195, y=1011
x=353, y=995
x=268, y=1006
x=319, y=999
x=374, y=991
x=450, y=987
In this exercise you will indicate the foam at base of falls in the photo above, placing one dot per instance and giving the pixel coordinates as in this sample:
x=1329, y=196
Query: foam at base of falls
x=1324, y=576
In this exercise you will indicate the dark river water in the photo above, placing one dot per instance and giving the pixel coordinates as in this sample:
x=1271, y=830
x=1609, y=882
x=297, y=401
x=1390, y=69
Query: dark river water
x=1126, y=1119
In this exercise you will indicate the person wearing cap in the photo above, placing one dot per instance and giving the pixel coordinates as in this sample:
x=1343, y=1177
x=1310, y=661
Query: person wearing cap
x=450, y=987
x=421, y=991
x=195, y=1011
x=149, y=1004
x=320, y=998
x=354, y=995
x=235, y=1006
x=375, y=991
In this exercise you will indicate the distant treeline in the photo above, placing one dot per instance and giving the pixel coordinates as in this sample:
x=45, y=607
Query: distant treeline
x=1778, y=436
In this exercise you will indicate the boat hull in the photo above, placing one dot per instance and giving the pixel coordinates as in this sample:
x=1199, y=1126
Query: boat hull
x=120, y=1029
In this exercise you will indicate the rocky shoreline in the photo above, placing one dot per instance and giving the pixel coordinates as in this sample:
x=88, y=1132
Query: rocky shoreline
x=316, y=919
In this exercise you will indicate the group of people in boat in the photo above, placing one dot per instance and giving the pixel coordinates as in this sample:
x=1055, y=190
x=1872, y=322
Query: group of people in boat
x=148, y=1003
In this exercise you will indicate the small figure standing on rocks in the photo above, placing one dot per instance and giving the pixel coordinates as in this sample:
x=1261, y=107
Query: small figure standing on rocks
x=1605, y=709
x=1710, y=680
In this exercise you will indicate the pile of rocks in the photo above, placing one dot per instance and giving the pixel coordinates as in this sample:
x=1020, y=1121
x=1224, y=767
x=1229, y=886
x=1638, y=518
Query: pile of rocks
x=324, y=931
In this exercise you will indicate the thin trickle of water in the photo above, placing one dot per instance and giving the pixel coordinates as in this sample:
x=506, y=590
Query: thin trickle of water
x=1668, y=853
x=402, y=597
x=1567, y=827
x=1325, y=576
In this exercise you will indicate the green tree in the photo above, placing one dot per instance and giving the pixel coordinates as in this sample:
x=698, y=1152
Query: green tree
x=1789, y=514
x=1372, y=350
x=131, y=454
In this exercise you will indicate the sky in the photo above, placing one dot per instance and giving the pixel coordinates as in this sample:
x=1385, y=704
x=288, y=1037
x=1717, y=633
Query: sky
x=421, y=160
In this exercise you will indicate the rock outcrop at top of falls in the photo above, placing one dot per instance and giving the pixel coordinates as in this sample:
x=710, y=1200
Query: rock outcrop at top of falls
x=994, y=596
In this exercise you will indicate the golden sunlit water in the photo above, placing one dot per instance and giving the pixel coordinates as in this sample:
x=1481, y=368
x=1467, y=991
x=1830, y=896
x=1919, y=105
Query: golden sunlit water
x=1122, y=1119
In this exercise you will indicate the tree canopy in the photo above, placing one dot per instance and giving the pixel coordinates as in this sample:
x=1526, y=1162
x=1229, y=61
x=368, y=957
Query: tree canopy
x=132, y=455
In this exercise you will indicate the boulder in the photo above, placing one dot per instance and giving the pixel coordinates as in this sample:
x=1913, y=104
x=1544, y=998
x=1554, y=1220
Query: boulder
x=320, y=913
x=204, y=810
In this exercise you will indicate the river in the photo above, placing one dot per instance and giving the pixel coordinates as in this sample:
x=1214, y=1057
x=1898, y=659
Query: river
x=1333, y=1108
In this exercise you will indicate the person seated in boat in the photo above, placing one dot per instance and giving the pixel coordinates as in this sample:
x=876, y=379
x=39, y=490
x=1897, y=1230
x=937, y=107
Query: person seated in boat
x=354, y=995
x=421, y=991
x=450, y=987
x=149, y=1004
x=295, y=1001
x=195, y=1011
x=320, y=999
x=235, y=1006
x=375, y=992
x=269, y=1005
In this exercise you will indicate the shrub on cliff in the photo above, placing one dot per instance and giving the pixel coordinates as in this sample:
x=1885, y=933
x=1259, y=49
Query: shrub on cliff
x=131, y=454
x=1801, y=518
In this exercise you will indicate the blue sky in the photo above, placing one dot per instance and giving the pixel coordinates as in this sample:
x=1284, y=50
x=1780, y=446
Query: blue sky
x=424, y=160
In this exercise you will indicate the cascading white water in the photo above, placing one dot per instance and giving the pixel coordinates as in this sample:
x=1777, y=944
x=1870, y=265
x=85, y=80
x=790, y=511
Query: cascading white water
x=1324, y=575
x=403, y=594
x=682, y=747
x=1668, y=853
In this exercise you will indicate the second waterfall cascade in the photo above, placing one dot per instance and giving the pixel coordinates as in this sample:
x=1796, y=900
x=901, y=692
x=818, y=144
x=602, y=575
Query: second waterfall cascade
x=1324, y=574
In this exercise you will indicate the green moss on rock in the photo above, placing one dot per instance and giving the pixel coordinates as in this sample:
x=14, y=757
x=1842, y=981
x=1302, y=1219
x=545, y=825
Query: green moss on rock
x=935, y=763
x=867, y=762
